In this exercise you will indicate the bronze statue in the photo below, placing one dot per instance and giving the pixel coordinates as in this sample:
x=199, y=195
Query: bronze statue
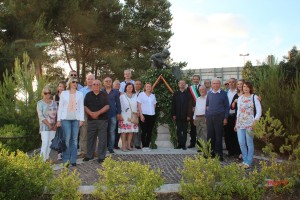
x=158, y=59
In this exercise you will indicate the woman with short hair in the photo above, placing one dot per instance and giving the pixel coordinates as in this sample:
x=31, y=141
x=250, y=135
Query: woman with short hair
x=46, y=109
x=70, y=117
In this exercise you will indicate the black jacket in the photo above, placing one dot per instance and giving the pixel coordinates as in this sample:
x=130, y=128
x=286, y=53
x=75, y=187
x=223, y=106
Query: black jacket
x=181, y=110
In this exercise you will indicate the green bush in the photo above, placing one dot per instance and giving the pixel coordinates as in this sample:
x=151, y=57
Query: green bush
x=21, y=176
x=127, y=180
x=13, y=137
x=208, y=179
x=65, y=185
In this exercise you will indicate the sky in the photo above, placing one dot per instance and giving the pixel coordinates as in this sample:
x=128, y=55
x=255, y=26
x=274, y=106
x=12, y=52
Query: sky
x=213, y=33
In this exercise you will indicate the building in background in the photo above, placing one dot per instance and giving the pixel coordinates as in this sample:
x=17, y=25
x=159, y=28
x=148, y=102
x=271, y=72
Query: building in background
x=222, y=73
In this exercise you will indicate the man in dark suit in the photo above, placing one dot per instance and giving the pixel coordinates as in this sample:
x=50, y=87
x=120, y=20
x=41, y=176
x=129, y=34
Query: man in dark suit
x=193, y=91
x=181, y=113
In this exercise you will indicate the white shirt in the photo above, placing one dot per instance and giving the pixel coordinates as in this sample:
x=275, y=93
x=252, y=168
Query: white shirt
x=200, y=106
x=230, y=95
x=215, y=92
x=123, y=84
x=147, y=103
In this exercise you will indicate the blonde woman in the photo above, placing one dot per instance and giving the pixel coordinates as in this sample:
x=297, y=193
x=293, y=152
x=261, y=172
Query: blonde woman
x=46, y=109
x=70, y=117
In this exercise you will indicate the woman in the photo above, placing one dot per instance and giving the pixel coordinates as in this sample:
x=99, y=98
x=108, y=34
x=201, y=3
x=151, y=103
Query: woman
x=46, y=109
x=60, y=87
x=70, y=117
x=146, y=107
x=129, y=108
x=233, y=106
x=246, y=121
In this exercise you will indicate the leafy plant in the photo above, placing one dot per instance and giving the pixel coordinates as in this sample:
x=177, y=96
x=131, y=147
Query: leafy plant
x=21, y=176
x=65, y=185
x=13, y=137
x=126, y=180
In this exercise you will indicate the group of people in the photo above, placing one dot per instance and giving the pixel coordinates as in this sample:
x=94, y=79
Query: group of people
x=102, y=113
x=214, y=113
x=97, y=115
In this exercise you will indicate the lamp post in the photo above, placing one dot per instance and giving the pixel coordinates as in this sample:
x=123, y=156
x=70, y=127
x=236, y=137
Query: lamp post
x=244, y=56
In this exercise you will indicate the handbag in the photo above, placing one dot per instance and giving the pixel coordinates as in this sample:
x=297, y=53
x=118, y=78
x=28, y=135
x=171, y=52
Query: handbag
x=134, y=118
x=58, y=143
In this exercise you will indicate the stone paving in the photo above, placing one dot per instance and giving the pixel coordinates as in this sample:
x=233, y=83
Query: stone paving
x=169, y=161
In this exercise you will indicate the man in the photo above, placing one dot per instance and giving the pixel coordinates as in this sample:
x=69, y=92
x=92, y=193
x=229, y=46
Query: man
x=230, y=136
x=116, y=85
x=226, y=84
x=83, y=130
x=193, y=95
x=207, y=84
x=113, y=113
x=216, y=114
x=96, y=107
x=137, y=136
x=127, y=76
x=199, y=115
x=181, y=112
x=73, y=73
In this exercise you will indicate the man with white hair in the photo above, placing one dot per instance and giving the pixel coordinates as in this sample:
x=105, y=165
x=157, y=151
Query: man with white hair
x=127, y=76
x=217, y=111
x=83, y=130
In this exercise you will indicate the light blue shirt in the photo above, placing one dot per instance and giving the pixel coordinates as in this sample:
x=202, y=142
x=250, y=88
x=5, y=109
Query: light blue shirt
x=123, y=84
x=85, y=90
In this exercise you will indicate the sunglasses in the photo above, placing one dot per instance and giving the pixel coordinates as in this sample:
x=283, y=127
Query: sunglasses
x=45, y=93
x=75, y=82
x=96, y=84
x=73, y=75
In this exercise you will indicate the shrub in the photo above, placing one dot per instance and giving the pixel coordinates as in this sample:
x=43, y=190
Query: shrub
x=21, y=176
x=65, y=185
x=127, y=180
x=12, y=137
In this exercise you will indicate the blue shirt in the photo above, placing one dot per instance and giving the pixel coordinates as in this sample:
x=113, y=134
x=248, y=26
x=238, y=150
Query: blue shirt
x=114, y=102
x=123, y=84
x=217, y=103
x=85, y=90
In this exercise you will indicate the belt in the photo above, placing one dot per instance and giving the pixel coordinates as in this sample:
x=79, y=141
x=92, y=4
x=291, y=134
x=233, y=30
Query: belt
x=200, y=115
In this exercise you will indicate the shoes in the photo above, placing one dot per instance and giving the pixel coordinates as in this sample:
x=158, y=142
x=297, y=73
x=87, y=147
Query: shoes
x=245, y=166
x=124, y=150
x=191, y=146
x=100, y=160
x=111, y=151
x=82, y=155
x=86, y=159
x=146, y=149
x=178, y=147
x=240, y=157
x=138, y=147
x=73, y=164
x=116, y=147
x=199, y=151
x=184, y=148
x=129, y=149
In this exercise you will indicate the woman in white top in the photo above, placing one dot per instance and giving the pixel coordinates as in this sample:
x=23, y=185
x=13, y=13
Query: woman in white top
x=248, y=113
x=129, y=108
x=146, y=106
x=70, y=117
x=46, y=109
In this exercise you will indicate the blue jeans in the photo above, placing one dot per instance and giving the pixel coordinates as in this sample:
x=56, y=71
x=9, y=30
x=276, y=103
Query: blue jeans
x=70, y=129
x=112, y=122
x=246, y=145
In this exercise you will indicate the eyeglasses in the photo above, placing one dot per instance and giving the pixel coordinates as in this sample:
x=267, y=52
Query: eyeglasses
x=226, y=83
x=73, y=75
x=45, y=93
x=75, y=82
x=96, y=84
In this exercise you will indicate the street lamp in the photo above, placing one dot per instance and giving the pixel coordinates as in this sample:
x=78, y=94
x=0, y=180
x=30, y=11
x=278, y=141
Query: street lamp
x=244, y=56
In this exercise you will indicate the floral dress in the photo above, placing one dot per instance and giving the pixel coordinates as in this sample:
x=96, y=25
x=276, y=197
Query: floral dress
x=126, y=126
x=245, y=114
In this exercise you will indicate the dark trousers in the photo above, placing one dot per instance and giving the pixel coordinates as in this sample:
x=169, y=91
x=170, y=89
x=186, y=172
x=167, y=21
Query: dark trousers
x=181, y=127
x=147, y=127
x=117, y=136
x=230, y=136
x=193, y=132
x=97, y=128
x=215, y=132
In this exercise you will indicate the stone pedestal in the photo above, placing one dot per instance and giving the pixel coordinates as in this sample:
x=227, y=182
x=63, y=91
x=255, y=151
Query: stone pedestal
x=163, y=137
